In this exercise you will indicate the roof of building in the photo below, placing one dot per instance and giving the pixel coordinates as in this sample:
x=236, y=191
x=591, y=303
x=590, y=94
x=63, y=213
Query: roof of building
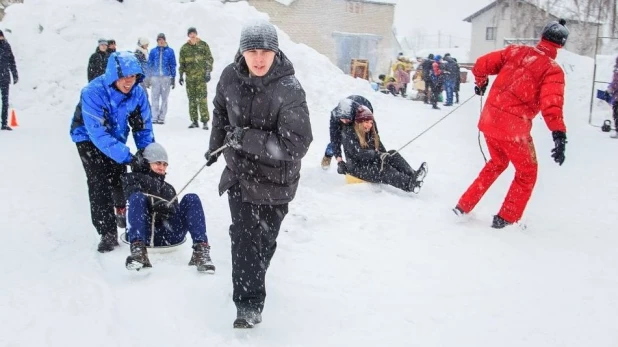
x=564, y=10
x=385, y=2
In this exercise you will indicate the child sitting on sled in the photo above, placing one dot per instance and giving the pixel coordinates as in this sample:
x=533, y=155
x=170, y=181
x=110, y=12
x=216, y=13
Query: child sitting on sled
x=154, y=216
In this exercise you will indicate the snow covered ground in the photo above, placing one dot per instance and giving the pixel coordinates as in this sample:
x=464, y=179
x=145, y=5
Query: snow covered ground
x=355, y=266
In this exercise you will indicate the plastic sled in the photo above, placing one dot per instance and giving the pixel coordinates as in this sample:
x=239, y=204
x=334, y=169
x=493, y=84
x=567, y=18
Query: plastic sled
x=158, y=249
x=349, y=179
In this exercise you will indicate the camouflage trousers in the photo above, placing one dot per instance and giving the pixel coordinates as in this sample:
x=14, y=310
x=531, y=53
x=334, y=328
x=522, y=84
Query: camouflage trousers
x=197, y=91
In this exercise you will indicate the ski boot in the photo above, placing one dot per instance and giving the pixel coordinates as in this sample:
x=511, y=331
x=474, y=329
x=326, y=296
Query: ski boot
x=326, y=162
x=194, y=125
x=499, y=222
x=201, y=258
x=247, y=318
x=138, y=258
x=108, y=242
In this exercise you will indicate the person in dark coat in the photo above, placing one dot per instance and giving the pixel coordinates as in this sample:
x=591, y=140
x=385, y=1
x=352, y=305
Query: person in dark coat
x=156, y=218
x=341, y=116
x=111, y=46
x=261, y=115
x=451, y=78
x=110, y=106
x=98, y=61
x=426, y=67
x=368, y=159
x=7, y=68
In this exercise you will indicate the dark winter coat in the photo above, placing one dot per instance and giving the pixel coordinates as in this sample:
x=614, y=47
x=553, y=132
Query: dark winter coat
x=97, y=64
x=612, y=89
x=104, y=115
x=154, y=187
x=451, y=70
x=365, y=163
x=426, y=65
x=7, y=63
x=274, y=110
x=336, y=126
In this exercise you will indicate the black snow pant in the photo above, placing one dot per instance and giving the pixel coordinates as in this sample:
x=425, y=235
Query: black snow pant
x=103, y=176
x=428, y=85
x=4, y=90
x=397, y=172
x=253, y=232
x=436, y=91
x=615, y=107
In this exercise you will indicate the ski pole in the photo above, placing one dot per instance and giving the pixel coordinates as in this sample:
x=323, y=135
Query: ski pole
x=194, y=176
x=479, y=136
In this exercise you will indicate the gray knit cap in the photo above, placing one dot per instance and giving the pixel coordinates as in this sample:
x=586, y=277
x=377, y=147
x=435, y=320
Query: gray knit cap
x=154, y=152
x=259, y=35
x=102, y=42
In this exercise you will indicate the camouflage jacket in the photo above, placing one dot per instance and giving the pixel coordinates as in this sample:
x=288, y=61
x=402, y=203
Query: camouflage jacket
x=195, y=59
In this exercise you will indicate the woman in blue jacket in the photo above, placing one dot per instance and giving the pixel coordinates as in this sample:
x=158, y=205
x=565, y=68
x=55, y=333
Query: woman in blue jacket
x=110, y=106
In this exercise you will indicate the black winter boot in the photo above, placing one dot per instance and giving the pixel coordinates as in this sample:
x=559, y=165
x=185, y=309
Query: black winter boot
x=205, y=127
x=458, y=211
x=247, y=318
x=138, y=258
x=201, y=258
x=499, y=222
x=194, y=125
x=419, y=176
x=108, y=242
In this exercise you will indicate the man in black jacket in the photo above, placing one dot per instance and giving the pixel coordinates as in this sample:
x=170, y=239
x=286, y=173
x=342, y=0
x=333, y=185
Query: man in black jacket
x=98, y=61
x=261, y=115
x=426, y=66
x=7, y=68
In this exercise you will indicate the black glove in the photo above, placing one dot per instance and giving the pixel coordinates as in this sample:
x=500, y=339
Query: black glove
x=392, y=151
x=138, y=163
x=173, y=83
x=210, y=158
x=15, y=79
x=480, y=90
x=207, y=76
x=560, y=146
x=342, y=169
x=163, y=208
x=181, y=81
x=234, y=136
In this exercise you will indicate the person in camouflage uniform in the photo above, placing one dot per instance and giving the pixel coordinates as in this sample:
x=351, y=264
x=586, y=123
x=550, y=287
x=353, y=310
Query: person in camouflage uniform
x=196, y=62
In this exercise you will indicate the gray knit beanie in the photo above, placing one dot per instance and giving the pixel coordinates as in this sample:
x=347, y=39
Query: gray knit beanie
x=154, y=152
x=259, y=35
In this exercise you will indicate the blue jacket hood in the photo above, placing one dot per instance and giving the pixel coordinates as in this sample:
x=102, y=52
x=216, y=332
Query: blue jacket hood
x=123, y=64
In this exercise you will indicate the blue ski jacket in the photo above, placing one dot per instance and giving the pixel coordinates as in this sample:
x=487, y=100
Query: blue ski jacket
x=104, y=114
x=162, y=62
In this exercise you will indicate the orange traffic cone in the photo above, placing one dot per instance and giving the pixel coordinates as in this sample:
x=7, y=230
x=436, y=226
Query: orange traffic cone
x=13, y=123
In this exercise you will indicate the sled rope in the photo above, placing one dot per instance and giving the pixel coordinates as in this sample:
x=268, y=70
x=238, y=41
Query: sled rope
x=426, y=130
x=194, y=176
x=479, y=137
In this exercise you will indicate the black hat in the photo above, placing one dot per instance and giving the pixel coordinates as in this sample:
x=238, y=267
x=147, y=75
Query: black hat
x=161, y=36
x=191, y=30
x=556, y=32
x=111, y=42
x=430, y=56
x=261, y=35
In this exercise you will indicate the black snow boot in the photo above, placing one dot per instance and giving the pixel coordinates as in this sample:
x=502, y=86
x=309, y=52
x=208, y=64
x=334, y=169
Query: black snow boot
x=417, y=179
x=6, y=127
x=194, y=125
x=138, y=258
x=108, y=242
x=205, y=127
x=458, y=211
x=201, y=258
x=247, y=318
x=499, y=222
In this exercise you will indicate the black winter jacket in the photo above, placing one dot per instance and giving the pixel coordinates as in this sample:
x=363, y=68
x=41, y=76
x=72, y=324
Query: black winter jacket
x=154, y=187
x=274, y=110
x=357, y=155
x=97, y=64
x=7, y=63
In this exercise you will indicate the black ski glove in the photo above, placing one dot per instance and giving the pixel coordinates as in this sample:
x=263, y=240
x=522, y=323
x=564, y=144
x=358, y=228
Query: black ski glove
x=138, y=162
x=210, y=158
x=560, y=147
x=342, y=169
x=207, y=76
x=480, y=90
x=234, y=136
x=163, y=208
x=181, y=80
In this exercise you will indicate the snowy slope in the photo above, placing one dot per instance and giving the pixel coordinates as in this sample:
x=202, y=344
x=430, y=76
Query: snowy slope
x=356, y=266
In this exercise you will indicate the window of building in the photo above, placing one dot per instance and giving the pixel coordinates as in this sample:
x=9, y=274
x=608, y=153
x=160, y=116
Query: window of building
x=354, y=7
x=490, y=33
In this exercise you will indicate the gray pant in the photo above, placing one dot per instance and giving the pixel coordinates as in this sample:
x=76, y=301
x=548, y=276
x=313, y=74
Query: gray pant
x=160, y=90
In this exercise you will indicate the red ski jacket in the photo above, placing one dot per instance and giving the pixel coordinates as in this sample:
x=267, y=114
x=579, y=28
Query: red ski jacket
x=528, y=81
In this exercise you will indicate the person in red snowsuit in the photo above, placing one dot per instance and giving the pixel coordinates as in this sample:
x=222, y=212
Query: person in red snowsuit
x=528, y=81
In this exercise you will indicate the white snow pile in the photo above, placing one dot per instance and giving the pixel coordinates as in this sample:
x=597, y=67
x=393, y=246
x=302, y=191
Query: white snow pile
x=356, y=265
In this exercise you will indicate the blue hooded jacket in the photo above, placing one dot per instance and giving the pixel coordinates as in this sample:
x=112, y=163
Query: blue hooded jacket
x=166, y=66
x=345, y=109
x=104, y=114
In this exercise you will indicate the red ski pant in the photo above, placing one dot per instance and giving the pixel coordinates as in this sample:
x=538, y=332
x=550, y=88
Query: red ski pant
x=523, y=157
